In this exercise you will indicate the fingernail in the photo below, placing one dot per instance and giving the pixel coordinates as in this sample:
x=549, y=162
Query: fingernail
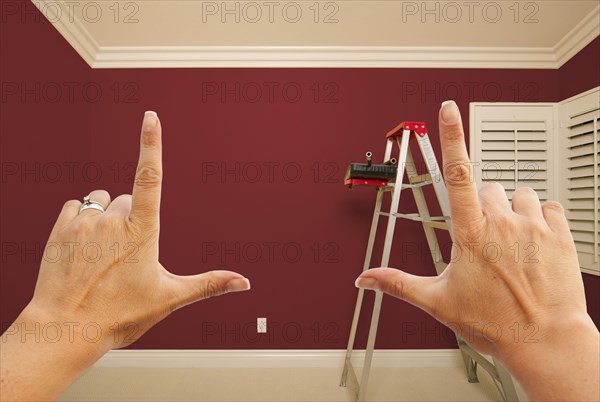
x=367, y=283
x=450, y=112
x=238, y=285
x=150, y=120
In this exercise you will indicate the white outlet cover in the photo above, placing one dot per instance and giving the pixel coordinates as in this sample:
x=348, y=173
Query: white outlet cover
x=261, y=325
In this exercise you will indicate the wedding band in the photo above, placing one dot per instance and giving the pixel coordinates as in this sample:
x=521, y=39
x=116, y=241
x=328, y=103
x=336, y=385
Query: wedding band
x=89, y=204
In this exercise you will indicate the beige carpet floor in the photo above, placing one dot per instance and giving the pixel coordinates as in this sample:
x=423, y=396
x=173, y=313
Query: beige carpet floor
x=276, y=384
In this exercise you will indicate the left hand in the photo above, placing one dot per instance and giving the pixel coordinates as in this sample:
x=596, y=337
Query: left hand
x=107, y=278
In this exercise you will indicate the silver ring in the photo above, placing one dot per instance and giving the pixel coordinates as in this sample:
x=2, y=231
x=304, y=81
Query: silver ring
x=89, y=204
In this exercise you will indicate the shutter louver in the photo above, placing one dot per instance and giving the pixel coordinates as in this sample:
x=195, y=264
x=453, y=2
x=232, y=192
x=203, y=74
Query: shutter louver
x=513, y=147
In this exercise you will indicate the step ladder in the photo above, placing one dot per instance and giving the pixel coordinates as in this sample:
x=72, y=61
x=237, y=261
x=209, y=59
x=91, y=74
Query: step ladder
x=402, y=135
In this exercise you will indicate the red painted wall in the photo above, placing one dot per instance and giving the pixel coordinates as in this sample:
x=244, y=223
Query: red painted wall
x=44, y=144
x=582, y=72
x=254, y=160
x=317, y=135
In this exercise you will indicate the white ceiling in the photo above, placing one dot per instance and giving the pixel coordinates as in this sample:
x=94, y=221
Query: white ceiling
x=347, y=33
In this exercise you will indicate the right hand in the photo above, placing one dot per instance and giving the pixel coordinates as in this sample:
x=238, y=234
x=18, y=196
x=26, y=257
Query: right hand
x=514, y=276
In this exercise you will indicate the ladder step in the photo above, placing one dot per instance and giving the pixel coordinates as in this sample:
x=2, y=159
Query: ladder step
x=419, y=218
x=431, y=221
x=436, y=222
x=418, y=181
x=422, y=178
x=406, y=185
x=436, y=225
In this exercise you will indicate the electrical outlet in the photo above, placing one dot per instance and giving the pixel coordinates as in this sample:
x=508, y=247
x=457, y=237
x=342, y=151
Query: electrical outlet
x=261, y=325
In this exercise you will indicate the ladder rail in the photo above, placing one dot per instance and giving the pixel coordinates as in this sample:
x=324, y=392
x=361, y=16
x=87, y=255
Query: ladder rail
x=389, y=233
x=437, y=178
x=385, y=259
x=359, y=300
x=430, y=236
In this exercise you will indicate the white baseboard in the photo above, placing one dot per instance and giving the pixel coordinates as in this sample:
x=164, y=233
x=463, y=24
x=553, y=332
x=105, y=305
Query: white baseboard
x=277, y=358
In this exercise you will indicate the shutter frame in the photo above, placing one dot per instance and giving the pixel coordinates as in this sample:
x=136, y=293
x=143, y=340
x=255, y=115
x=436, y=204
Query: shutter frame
x=579, y=176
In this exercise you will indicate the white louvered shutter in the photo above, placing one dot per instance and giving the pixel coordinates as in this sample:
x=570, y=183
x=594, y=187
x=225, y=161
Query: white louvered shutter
x=580, y=148
x=513, y=144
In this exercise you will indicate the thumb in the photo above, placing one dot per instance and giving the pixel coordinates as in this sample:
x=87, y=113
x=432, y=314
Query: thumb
x=193, y=288
x=421, y=291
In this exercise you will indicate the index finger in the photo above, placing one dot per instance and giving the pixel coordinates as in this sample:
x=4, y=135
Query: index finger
x=145, y=202
x=462, y=192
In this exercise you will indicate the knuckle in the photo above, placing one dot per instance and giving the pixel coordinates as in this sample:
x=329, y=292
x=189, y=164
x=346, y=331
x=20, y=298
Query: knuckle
x=454, y=132
x=490, y=188
x=504, y=220
x=150, y=139
x=494, y=185
x=108, y=223
x=458, y=175
x=82, y=227
x=524, y=191
x=211, y=287
x=99, y=194
x=471, y=232
x=553, y=205
x=71, y=204
x=148, y=176
x=396, y=288
x=140, y=231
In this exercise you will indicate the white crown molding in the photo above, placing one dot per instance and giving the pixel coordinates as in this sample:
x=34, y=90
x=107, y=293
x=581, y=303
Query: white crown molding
x=324, y=56
x=99, y=57
x=579, y=37
x=277, y=358
x=70, y=28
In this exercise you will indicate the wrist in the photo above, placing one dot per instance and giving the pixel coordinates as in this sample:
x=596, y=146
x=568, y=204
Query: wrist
x=553, y=333
x=49, y=350
x=80, y=342
x=569, y=341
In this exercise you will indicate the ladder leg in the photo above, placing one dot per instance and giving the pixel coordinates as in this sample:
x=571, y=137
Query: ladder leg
x=362, y=393
x=348, y=359
x=506, y=381
x=361, y=292
x=470, y=365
